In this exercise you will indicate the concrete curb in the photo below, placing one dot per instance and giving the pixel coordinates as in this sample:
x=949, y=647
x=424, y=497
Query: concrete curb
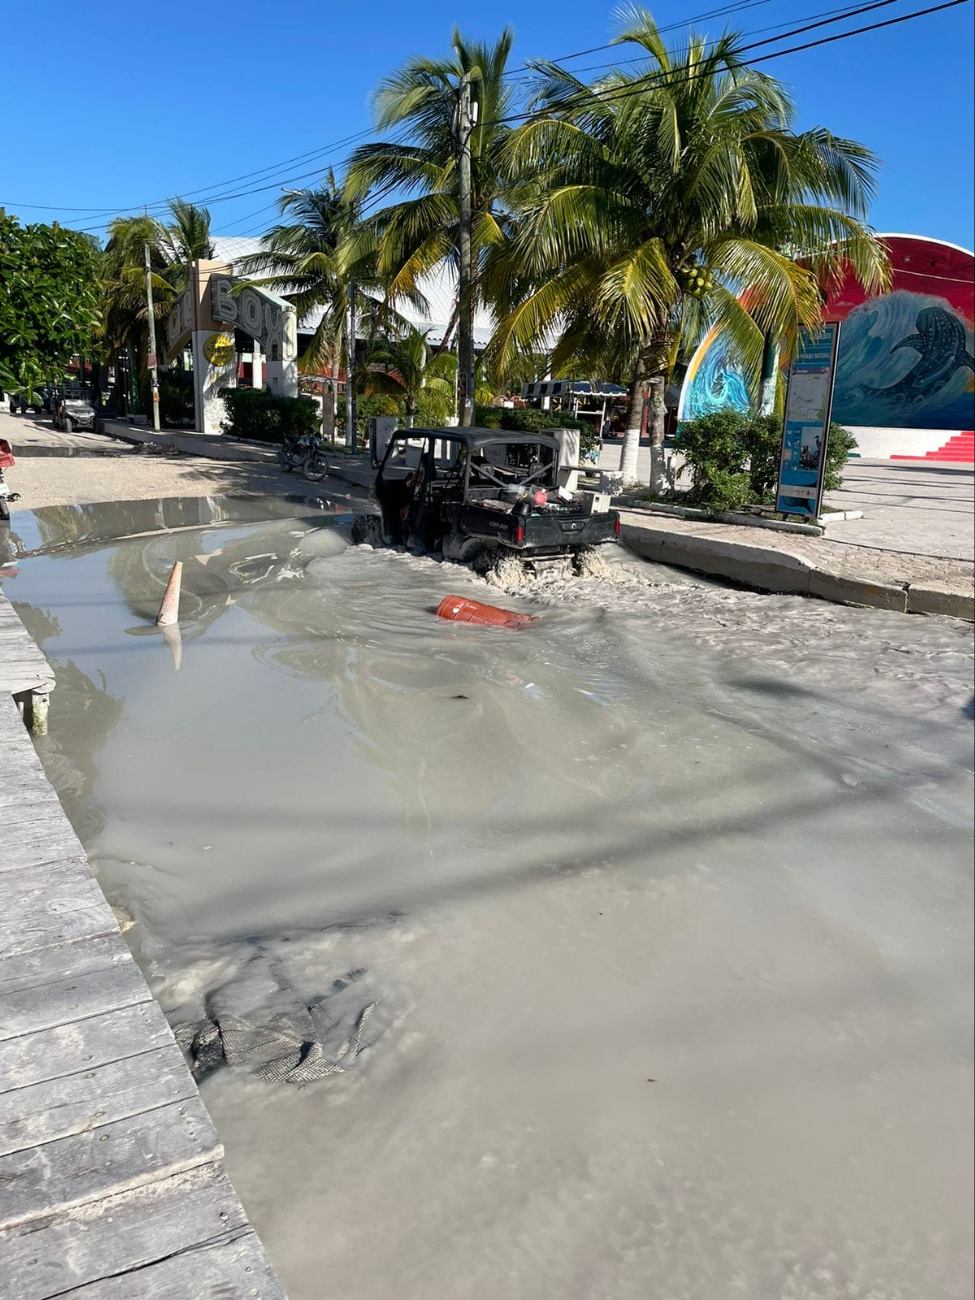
x=769, y=569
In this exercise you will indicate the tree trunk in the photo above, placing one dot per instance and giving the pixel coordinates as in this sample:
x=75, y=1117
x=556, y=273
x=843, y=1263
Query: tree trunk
x=409, y=411
x=649, y=380
x=769, y=377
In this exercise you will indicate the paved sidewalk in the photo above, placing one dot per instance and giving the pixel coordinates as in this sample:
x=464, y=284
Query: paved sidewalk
x=815, y=566
x=908, y=506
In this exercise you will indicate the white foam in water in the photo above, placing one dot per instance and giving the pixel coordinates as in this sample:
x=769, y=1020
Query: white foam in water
x=663, y=904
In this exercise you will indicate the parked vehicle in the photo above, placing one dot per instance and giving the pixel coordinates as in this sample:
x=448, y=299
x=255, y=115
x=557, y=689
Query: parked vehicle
x=305, y=453
x=6, y=460
x=71, y=408
x=484, y=496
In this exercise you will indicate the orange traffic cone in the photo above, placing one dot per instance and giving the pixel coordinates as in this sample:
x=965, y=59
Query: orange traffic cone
x=169, y=609
x=462, y=610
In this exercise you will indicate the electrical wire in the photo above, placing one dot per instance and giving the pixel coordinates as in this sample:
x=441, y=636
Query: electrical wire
x=639, y=85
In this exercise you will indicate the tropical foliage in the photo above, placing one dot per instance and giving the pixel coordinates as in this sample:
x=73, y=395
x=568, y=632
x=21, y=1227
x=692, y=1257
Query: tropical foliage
x=172, y=244
x=301, y=259
x=732, y=459
x=267, y=417
x=663, y=198
x=406, y=368
x=420, y=229
x=49, y=301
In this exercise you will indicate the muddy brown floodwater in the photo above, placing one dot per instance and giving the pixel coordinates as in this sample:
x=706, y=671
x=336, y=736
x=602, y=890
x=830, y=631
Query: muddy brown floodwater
x=648, y=927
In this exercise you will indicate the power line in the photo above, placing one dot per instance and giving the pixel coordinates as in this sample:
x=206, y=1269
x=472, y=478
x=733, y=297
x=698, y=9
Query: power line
x=846, y=11
x=160, y=204
x=640, y=84
x=684, y=22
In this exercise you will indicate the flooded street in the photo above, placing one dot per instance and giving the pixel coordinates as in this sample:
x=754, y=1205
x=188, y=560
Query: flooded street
x=648, y=927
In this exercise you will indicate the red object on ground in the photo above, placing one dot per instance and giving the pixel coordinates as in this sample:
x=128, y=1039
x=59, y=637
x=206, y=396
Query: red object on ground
x=960, y=449
x=462, y=610
x=6, y=455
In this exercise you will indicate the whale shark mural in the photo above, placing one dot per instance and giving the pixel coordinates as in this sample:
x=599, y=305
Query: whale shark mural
x=905, y=357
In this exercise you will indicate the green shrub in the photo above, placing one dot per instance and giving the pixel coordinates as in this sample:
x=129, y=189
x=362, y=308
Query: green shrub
x=263, y=415
x=529, y=419
x=176, y=405
x=733, y=458
x=488, y=417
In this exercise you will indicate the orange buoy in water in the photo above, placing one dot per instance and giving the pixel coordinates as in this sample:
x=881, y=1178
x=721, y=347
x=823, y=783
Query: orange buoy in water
x=462, y=610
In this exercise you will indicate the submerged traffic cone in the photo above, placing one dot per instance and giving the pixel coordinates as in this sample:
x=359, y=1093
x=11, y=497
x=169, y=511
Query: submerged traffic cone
x=169, y=609
x=462, y=610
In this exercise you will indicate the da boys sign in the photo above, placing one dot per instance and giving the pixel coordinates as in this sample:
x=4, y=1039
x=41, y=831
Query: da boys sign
x=262, y=315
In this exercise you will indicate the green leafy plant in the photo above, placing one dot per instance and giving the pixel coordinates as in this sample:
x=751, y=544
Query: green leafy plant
x=733, y=458
x=49, y=302
x=176, y=404
x=266, y=417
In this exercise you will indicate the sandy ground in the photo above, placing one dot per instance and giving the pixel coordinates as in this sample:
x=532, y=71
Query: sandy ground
x=137, y=475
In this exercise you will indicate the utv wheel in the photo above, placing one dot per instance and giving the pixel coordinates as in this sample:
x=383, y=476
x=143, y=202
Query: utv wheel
x=68, y=424
x=589, y=562
x=505, y=570
x=367, y=530
x=4, y=509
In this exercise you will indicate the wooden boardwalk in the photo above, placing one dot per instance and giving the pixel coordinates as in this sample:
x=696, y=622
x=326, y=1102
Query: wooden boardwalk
x=111, y=1185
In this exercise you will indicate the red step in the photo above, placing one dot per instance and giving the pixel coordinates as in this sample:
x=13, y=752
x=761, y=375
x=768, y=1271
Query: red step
x=959, y=449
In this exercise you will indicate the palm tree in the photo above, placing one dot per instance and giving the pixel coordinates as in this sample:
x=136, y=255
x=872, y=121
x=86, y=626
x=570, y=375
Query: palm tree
x=419, y=231
x=404, y=367
x=651, y=200
x=300, y=260
x=172, y=246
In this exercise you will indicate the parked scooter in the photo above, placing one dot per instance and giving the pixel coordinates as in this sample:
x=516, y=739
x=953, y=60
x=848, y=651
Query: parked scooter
x=6, y=460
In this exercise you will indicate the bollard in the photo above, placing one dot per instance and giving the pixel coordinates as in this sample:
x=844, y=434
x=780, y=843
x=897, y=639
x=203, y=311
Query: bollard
x=169, y=609
x=462, y=610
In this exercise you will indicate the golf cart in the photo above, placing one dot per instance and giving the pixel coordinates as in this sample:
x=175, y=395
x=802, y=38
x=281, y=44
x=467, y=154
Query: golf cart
x=485, y=497
x=72, y=409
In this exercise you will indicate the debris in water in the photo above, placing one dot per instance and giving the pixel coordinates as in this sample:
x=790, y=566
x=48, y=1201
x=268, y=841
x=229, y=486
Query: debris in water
x=462, y=610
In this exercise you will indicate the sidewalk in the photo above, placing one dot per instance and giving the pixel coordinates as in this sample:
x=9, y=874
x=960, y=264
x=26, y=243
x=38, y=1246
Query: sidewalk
x=839, y=571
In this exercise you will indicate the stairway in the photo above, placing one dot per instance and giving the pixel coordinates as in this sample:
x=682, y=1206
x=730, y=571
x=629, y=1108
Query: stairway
x=959, y=449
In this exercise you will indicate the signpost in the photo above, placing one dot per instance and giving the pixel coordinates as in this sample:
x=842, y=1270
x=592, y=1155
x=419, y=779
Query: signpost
x=805, y=430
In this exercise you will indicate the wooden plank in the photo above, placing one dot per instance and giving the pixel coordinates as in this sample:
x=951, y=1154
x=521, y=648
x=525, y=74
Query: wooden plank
x=58, y=902
x=235, y=1268
x=23, y=666
x=105, y=1161
x=83, y=1044
x=57, y=985
x=43, y=841
x=111, y=1237
x=90, y=1099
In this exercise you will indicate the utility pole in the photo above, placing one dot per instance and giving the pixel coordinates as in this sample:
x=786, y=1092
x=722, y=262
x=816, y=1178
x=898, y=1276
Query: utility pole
x=153, y=361
x=465, y=297
x=349, y=369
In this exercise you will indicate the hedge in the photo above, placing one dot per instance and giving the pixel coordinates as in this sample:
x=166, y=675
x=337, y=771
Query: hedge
x=733, y=458
x=263, y=415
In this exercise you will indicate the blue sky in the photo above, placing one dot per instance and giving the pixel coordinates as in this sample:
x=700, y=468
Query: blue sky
x=119, y=105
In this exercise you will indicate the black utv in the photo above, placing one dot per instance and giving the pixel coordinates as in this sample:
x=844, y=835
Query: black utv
x=482, y=496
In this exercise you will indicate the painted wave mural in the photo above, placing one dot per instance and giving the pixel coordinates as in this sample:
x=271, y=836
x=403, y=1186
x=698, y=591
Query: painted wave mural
x=905, y=358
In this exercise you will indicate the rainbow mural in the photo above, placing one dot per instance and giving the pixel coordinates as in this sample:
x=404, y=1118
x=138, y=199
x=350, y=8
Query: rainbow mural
x=905, y=358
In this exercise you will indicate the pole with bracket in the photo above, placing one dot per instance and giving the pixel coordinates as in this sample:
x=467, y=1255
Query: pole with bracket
x=153, y=360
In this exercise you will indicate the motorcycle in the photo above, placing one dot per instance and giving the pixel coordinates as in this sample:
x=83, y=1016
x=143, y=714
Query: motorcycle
x=6, y=496
x=304, y=453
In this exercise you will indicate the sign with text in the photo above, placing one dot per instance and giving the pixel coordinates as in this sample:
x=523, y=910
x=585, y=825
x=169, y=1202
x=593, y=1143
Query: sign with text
x=805, y=430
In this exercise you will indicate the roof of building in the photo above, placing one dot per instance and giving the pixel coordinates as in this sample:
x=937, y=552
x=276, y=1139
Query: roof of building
x=438, y=287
